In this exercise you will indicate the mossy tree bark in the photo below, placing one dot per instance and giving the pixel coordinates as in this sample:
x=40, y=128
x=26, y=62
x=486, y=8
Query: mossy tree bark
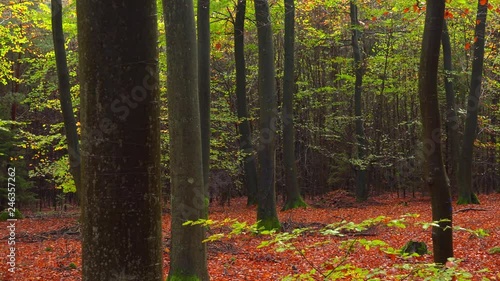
x=361, y=186
x=65, y=94
x=188, y=255
x=203, y=23
x=266, y=210
x=435, y=173
x=465, y=193
x=452, y=136
x=121, y=211
x=293, y=197
x=249, y=165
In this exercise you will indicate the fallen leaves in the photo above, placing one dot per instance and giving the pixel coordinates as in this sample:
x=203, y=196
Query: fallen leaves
x=48, y=249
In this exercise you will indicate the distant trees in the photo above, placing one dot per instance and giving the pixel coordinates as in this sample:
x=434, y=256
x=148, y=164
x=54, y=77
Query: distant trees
x=465, y=193
x=121, y=212
x=266, y=198
x=188, y=256
x=435, y=173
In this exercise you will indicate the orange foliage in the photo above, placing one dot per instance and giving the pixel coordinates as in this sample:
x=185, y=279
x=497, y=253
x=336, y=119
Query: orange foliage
x=47, y=247
x=448, y=14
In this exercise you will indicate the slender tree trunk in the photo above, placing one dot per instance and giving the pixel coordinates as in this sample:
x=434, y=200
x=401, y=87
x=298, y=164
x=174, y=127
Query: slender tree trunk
x=121, y=211
x=246, y=145
x=65, y=94
x=465, y=193
x=293, y=197
x=204, y=85
x=188, y=256
x=435, y=173
x=495, y=177
x=361, y=188
x=453, y=143
x=266, y=210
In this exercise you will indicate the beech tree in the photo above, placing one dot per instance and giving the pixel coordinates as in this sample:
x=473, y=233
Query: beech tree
x=188, y=256
x=361, y=188
x=266, y=210
x=452, y=137
x=293, y=197
x=465, y=193
x=246, y=144
x=435, y=173
x=64, y=93
x=121, y=212
x=203, y=23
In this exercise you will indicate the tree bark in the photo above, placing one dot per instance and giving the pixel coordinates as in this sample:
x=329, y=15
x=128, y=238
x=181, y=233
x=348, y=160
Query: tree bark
x=204, y=85
x=246, y=145
x=465, y=193
x=293, y=197
x=121, y=211
x=188, y=255
x=266, y=210
x=452, y=136
x=435, y=172
x=361, y=188
x=65, y=94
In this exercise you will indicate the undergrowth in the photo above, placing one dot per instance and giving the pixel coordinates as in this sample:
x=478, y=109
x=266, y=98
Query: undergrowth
x=406, y=266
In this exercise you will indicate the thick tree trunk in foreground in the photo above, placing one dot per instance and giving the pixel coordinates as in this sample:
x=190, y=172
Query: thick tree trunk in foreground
x=293, y=197
x=121, y=212
x=266, y=210
x=204, y=85
x=188, y=256
x=65, y=94
x=249, y=165
x=435, y=172
x=361, y=186
x=452, y=136
x=465, y=193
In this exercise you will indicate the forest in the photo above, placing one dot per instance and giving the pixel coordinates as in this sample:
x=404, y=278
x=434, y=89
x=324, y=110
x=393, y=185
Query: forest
x=249, y=140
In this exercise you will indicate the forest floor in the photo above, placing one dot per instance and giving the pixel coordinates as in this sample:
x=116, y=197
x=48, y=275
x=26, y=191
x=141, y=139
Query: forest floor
x=48, y=243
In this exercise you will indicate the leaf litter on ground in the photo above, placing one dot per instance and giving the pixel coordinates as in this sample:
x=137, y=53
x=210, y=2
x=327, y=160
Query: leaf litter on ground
x=48, y=247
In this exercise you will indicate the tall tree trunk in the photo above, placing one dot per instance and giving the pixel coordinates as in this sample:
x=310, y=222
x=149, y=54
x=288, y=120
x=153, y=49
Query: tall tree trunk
x=246, y=145
x=361, y=188
x=188, y=256
x=465, y=194
x=452, y=136
x=204, y=85
x=435, y=173
x=121, y=211
x=293, y=197
x=65, y=94
x=495, y=176
x=266, y=210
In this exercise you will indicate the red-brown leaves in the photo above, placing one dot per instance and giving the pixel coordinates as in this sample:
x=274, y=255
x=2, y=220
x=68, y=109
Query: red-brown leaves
x=46, y=250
